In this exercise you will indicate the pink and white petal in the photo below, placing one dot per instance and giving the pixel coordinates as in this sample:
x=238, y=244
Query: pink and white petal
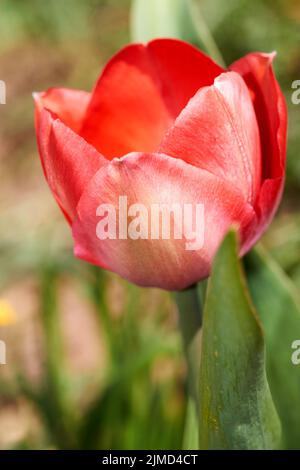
x=271, y=112
x=69, y=105
x=68, y=161
x=141, y=91
x=156, y=179
x=266, y=207
x=218, y=131
x=270, y=108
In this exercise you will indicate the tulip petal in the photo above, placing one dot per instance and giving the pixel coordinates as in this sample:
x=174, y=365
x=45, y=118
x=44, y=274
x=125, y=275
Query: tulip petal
x=68, y=161
x=182, y=69
x=141, y=91
x=265, y=208
x=126, y=112
x=217, y=131
x=151, y=179
x=69, y=105
x=269, y=104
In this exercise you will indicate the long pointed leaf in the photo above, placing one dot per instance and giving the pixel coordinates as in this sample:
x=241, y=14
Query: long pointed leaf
x=236, y=407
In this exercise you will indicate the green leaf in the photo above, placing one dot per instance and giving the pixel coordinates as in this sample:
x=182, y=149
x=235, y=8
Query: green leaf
x=278, y=304
x=236, y=407
x=161, y=18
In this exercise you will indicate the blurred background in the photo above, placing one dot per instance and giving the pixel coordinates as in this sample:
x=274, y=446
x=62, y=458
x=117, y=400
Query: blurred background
x=93, y=362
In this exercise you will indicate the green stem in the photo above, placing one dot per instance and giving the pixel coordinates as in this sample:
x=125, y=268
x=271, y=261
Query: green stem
x=190, y=322
x=98, y=288
x=55, y=399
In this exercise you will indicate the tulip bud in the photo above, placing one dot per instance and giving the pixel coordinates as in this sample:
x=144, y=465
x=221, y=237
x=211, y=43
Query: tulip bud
x=190, y=147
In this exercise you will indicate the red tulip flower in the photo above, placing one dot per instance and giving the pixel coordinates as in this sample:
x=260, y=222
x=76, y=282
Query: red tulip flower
x=163, y=125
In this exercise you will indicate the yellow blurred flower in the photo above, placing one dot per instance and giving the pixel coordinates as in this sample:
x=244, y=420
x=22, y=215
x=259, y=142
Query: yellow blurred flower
x=7, y=313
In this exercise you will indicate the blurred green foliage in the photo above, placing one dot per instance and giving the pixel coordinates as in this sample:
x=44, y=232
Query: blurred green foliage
x=136, y=403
